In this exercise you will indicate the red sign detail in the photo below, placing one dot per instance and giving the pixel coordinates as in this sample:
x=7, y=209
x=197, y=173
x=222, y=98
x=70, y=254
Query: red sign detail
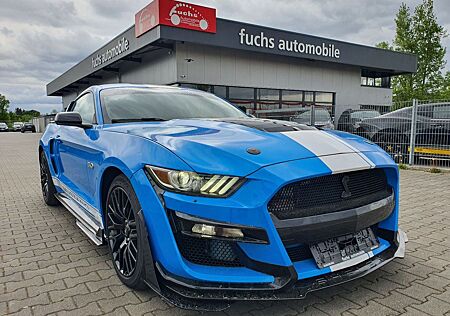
x=176, y=14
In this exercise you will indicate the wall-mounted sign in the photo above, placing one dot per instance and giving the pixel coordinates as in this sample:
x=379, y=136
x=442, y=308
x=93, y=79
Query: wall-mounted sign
x=121, y=46
x=176, y=14
x=261, y=40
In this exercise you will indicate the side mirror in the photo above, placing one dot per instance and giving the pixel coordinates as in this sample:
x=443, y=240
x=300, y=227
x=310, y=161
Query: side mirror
x=70, y=119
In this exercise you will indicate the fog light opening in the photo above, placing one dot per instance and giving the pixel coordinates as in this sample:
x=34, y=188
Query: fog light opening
x=211, y=230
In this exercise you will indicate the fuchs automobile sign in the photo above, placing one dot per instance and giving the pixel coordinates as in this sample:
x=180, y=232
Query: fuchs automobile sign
x=176, y=14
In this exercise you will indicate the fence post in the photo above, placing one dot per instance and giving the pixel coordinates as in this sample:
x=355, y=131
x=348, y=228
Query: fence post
x=412, y=138
x=313, y=115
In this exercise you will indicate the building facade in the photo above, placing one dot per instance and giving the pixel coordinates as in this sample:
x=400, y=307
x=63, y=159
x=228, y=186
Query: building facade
x=257, y=67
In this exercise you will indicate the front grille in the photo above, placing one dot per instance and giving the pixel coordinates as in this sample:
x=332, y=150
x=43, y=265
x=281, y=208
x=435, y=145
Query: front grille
x=299, y=253
x=210, y=252
x=328, y=194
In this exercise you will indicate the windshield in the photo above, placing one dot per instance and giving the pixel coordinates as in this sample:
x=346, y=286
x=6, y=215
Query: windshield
x=364, y=114
x=163, y=103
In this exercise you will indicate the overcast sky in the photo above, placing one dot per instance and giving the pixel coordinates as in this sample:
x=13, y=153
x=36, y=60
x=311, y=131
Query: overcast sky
x=39, y=40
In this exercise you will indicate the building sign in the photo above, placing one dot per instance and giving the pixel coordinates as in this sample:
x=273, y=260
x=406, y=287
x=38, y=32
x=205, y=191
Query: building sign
x=121, y=46
x=284, y=45
x=176, y=14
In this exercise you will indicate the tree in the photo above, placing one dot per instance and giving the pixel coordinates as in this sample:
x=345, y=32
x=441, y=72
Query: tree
x=419, y=34
x=4, y=105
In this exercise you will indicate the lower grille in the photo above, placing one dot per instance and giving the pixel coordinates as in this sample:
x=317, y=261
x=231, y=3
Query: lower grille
x=299, y=253
x=209, y=252
x=331, y=193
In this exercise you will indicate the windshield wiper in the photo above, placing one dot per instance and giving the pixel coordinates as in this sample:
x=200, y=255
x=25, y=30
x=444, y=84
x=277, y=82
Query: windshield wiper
x=141, y=119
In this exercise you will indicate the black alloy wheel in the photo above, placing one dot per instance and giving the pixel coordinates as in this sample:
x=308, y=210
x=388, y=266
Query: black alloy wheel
x=47, y=186
x=123, y=232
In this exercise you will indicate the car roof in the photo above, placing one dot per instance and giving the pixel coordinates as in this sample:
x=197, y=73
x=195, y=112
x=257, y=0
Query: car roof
x=98, y=88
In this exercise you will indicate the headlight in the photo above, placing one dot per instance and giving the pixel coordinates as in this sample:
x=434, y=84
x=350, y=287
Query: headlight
x=193, y=183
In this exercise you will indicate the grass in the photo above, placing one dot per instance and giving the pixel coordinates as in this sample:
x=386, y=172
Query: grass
x=435, y=170
x=402, y=166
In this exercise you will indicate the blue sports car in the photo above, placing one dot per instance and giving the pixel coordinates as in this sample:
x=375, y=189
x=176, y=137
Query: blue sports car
x=207, y=205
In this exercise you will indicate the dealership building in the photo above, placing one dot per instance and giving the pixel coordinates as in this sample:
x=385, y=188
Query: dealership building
x=261, y=68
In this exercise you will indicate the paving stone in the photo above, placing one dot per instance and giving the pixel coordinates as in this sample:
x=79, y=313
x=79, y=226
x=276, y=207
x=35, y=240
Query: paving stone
x=434, y=306
x=374, y=309
x=48, y=266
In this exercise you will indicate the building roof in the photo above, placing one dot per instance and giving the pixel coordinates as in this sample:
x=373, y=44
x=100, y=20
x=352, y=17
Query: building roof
x=231, y=34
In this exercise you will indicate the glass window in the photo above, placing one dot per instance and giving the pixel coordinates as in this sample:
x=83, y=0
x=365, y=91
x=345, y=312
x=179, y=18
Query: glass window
x=363, y=114
x=268, y=94
x=441, y=112
x=220, y=91
x=324, y=97
x=309, y=96
x=364, y=81
x=241, y=93
x=292, y=95
x=267, y=105
x=377, y=82
x=85, y=106
x=370, y=81
x=163, y=103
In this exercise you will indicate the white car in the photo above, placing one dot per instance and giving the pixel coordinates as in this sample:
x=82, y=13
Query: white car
x=3, y=127
x=17, y=126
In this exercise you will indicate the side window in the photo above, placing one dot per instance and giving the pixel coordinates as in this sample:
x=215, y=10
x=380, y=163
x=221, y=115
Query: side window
x=85, y=106
x=441, y=112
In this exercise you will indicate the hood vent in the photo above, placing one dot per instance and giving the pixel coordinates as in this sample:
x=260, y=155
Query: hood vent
x=266, y=125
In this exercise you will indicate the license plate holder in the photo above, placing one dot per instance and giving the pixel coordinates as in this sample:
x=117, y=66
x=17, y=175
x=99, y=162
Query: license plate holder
x=343, y=248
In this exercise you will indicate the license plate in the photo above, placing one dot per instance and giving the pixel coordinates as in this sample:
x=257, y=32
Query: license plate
x=343, y=248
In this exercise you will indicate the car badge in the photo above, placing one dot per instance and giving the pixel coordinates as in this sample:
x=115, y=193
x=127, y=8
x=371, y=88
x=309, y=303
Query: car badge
x=346, y=193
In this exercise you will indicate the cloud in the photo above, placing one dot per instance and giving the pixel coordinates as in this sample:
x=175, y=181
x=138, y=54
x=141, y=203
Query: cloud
x=39, y=40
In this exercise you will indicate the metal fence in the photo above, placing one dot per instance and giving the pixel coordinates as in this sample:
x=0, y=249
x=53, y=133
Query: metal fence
x=412, y=132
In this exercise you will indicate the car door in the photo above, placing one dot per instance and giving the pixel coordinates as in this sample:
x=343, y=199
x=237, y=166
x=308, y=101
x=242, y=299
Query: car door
x=441, y=125
x=76, y=149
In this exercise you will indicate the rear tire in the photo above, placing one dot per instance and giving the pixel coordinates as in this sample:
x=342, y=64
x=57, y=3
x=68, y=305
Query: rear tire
x=47, y=186
x=124, y=233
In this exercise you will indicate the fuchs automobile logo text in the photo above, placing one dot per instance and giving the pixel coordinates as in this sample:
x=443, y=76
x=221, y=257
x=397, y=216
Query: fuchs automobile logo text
x=176, y=14
x=122, y=46
x=187, y=14
x=261, y=40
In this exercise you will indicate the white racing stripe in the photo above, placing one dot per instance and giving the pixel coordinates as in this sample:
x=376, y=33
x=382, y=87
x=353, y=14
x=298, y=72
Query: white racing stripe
x=331, y=150
x=372, y=165
x=318, y=142
x=345, y=162
x=351, y=262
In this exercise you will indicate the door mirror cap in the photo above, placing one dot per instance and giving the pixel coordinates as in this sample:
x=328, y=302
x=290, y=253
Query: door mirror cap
x=70, y=119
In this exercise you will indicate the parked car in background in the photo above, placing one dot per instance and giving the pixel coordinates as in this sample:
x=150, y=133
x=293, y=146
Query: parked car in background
x=207, y=205
x=4, y=127
x=322, y=118
x=350, y=120
x=28, y=127
x=17, y=126
x=392, y=131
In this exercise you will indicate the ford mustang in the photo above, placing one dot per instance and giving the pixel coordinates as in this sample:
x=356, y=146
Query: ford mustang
x=207, y=205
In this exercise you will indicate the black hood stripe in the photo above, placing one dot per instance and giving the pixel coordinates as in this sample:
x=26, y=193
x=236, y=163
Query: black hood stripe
x=267, y=125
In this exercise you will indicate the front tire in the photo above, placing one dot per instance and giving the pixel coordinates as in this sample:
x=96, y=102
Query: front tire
x=47, y=186
x=123, y=230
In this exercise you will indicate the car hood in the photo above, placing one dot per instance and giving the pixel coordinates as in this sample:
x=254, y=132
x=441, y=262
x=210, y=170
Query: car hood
x=242, y=146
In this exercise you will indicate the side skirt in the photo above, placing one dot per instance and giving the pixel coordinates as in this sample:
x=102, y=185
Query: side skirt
x=87, y=224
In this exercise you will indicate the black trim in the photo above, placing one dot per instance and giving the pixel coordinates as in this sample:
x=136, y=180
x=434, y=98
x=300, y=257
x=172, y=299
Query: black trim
x=296, y=289
x=267, y=125
x=325, y=226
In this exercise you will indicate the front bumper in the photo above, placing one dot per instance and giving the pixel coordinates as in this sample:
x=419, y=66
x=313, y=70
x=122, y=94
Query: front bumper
x=198, y=295
x=267, y=270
